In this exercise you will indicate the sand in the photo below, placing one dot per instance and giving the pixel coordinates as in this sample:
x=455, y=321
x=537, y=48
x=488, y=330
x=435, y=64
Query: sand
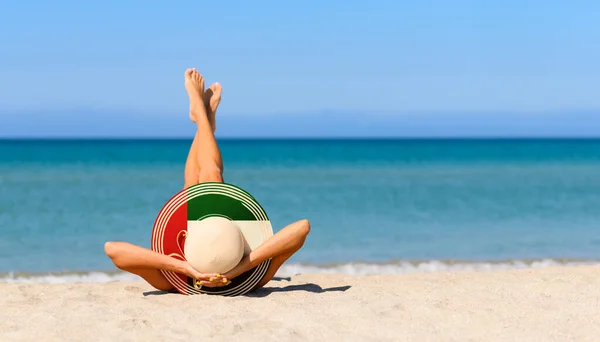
x=546, y=304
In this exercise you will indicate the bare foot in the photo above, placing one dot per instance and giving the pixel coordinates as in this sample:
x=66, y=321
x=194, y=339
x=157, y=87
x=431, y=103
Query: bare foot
x=194, y=84
x=212, y=98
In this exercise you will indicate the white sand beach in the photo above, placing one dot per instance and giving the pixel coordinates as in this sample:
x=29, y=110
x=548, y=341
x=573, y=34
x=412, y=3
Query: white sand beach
x=545, y=304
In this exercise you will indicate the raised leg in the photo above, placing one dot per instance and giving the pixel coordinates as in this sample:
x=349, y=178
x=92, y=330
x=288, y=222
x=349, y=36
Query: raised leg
x=279, y=247
x=145, y=262
x=211, y=99
x=208, y=155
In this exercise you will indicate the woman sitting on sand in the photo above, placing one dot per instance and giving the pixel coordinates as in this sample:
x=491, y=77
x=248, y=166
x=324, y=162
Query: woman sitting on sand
x=204, y=164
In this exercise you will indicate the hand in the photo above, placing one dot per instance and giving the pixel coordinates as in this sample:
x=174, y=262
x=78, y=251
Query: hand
x=216, y=281
x=206, y=279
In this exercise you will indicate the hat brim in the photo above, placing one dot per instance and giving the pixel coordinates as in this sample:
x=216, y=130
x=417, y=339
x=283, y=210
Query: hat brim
x=204, y=200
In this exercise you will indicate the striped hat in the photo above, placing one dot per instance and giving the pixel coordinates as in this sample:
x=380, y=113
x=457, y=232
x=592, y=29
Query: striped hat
x=197, y=203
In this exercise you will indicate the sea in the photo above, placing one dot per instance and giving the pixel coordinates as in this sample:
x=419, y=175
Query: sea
x=386, y=206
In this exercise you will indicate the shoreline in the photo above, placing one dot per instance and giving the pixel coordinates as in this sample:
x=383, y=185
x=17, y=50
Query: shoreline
x=359, y=268
x=544, y=304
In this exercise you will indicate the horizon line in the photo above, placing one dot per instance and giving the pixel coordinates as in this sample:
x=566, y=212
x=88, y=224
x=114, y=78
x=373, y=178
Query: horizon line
x=320, y=110
x=278, y=138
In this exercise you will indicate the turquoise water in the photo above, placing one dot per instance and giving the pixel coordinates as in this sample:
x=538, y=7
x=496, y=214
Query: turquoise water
x=375, y=206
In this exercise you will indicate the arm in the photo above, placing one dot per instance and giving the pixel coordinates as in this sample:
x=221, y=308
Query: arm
x=130, y=257
x=284, y=242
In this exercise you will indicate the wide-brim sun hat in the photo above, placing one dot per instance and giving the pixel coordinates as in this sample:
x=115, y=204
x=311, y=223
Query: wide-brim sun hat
x=191, y=209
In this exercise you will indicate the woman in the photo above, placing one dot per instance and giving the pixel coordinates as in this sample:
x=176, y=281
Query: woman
x=204, y=164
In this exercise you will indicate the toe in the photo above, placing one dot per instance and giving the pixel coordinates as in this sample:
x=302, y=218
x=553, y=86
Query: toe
x=201, y=82
x=214, y=88
x=217, y=89
x=189, y=75
x=214, y=91
x=209, y=92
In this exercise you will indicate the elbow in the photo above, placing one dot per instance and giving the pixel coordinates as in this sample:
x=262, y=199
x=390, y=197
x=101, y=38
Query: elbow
x=111, y=249
x=304, y=227
x=114, y=250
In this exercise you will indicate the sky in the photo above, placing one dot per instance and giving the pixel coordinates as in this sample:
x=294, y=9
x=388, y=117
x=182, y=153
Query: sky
x=338, y=67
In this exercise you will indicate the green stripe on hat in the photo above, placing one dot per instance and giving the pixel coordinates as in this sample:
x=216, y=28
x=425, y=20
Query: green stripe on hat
x=208, y=205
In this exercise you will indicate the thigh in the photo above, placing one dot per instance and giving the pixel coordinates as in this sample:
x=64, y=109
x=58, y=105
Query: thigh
x=210, y=174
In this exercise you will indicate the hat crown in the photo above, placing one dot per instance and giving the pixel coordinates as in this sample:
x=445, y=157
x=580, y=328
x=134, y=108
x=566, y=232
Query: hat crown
x=214, y=244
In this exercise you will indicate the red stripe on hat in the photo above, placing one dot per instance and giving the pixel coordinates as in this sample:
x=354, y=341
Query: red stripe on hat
x=173, y=237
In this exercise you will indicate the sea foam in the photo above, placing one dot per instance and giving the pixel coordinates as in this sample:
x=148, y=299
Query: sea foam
x=287, y=270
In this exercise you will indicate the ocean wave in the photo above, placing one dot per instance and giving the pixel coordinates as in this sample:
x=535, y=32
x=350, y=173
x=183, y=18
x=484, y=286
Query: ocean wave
x=67, y=277
x=428, y=266
x=355, y=268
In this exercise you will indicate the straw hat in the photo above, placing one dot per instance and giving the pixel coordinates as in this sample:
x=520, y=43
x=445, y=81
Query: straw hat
x=214, y=244
x=212, y=226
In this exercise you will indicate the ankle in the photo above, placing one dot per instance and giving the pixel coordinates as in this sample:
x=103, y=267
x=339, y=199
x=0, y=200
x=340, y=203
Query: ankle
x=198, y=112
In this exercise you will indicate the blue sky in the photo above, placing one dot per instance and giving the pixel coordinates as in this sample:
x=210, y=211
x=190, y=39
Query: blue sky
x=117, y=61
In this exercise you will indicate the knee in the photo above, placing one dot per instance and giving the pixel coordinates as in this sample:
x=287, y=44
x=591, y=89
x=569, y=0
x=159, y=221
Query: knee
x=212, y=174
x=190, y=178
